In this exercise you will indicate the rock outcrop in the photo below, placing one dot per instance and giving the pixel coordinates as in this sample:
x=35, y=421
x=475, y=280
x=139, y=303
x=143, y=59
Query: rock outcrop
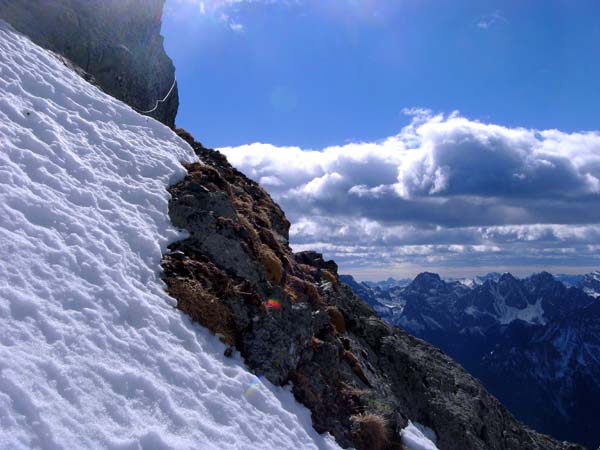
x=294, y=321
x=117, y=42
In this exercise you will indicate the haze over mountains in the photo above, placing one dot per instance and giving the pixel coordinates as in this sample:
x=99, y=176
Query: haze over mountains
x=534, y=342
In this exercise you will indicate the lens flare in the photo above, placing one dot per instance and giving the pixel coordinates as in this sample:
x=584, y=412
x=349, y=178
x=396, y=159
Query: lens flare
x=273, y=304
x=253, y=388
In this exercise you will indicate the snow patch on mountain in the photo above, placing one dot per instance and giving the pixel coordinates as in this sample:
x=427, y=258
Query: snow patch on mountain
x=533, y=313
x=418, y=437
x=93, y=353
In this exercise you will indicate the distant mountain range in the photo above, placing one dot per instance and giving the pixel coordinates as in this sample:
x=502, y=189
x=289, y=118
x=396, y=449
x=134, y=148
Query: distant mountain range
x=590, y=282
x=533, y=342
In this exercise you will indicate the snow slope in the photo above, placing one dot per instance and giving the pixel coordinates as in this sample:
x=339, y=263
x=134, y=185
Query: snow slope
x=418, y=437
x=92, y=352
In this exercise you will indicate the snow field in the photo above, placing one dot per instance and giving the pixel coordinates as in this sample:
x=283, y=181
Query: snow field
x=92, y=352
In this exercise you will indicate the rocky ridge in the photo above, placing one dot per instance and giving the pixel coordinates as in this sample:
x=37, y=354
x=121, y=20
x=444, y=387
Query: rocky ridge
x=294, y=322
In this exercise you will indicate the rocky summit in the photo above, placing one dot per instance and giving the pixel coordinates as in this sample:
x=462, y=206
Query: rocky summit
x=116, y=43
x=294, y=322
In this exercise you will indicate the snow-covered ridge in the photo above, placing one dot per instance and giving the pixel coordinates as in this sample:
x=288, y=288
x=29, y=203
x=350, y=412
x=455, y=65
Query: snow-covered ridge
x=92, y=352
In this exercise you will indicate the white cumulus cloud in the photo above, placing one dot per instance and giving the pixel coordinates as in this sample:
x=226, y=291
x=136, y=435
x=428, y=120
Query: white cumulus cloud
x=445, y=181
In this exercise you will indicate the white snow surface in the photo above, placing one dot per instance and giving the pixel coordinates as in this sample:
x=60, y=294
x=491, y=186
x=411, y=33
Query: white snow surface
x=93, y=353
x=418, y=437
x=533, y=313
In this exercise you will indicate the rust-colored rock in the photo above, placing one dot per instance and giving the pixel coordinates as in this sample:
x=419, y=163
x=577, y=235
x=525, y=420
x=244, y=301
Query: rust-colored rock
x=330, y=277
x=370, y=432
x=271, y=263
x=337, y=319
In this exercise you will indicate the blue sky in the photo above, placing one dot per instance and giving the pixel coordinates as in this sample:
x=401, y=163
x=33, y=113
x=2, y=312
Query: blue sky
x=407, y=135
x=301, y=73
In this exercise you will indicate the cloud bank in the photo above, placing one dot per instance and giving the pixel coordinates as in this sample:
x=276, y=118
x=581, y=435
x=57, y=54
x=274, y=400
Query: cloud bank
x=445, y=192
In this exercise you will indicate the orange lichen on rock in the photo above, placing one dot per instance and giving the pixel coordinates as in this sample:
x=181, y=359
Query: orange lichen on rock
x=337, y=319
x=370, y=431
x=301, y=290
x=329, y=276
x=314, y=296
x=248, y=228
x=271, y=263
x=354, y=363
x=204, y=308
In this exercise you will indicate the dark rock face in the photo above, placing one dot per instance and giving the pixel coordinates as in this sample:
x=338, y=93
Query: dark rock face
x=117, y=42
x=294, y=321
